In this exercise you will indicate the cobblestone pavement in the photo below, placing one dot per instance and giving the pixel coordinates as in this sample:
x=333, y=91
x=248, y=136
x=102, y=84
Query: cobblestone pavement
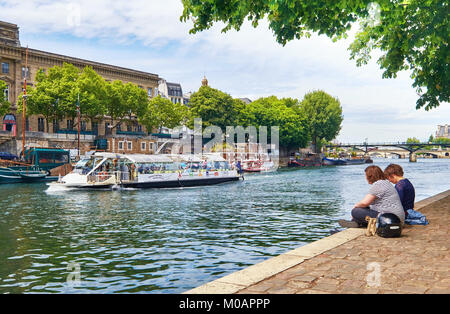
x=417, y=262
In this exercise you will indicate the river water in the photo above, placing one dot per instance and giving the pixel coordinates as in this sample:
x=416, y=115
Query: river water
x=173, y=240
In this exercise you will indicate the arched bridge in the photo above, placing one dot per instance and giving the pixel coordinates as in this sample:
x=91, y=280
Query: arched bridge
x=396, y=148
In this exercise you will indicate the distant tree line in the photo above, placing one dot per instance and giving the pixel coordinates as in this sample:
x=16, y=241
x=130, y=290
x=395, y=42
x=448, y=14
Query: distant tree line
x=317, y=118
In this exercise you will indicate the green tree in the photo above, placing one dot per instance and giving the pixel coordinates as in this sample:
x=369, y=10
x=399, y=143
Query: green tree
x=271, y=111
x=4, y=103
x=323, y=115
x=53, y=94
x=411, y=34
x=125, y=102
x=412, y=140
x=214, y=107
x=161, y=112
x=91, y=90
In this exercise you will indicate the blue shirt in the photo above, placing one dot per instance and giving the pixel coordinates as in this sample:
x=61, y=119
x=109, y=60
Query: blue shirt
x=407, y=193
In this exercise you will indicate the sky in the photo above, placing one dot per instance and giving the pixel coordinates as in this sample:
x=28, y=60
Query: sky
x=149, y=36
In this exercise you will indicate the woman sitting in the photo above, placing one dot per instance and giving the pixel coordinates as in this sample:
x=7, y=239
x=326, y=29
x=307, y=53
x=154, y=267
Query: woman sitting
x=382, y=198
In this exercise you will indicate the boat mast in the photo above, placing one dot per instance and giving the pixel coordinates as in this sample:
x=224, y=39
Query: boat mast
x=23, y=103
x=79, y=122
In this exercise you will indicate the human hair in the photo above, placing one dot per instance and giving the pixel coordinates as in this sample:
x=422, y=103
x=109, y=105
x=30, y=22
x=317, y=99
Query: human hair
x=393, y=169
x=374, y=174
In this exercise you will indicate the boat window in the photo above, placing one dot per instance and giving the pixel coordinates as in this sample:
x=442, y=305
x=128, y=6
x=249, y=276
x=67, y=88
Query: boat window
x=61, y=158
x=83, y=166
x=46, y=158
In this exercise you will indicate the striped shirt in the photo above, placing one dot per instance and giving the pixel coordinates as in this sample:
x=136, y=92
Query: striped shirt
x=387, y=199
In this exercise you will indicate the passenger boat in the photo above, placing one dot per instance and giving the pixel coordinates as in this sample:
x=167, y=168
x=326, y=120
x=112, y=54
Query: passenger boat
x=111, y=171
x=38, y=166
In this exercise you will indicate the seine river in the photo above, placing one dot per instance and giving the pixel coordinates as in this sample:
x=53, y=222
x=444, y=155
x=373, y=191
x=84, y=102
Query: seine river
x=172, y=240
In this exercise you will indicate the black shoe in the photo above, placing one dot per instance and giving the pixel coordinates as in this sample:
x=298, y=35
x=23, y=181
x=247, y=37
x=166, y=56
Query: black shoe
x=348, y=223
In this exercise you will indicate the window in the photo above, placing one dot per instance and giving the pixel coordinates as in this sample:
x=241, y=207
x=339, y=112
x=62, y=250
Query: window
x=28, y=72
x=129, y=145
x=107, y=128
x=119, y=128
x=83, y=126
x=139, y=128
x=94, y=127
x=143, y=146
x=150, y=92
x=5, y=67
x=129, y=128
x=69, y=124
x=6, y=93
x=55, y=126
x=150, y=146
x=41, y=127
x=156, y=91
x=120, y=145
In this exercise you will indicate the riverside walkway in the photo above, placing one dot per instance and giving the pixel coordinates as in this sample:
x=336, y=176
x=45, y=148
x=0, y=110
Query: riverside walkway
x=350, y=262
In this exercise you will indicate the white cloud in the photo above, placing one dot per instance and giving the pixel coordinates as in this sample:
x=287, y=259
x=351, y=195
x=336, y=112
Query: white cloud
x=148, y=35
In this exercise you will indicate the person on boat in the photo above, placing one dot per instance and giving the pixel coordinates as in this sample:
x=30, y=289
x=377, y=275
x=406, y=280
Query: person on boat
x=125, y=172
x=239, y=167
x=381, y=198
x=394, y=173
x=132, y=172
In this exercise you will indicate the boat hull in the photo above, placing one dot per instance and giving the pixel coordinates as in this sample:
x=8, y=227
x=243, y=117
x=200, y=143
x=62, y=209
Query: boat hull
x=160, y=184
x=11, y=176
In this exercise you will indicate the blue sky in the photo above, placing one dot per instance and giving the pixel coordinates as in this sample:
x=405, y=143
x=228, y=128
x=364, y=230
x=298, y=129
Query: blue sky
x=148, y=36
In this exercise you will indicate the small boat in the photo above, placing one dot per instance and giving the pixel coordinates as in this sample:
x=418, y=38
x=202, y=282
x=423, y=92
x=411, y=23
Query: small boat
x=256, y=166
x=112, y=171
x=308, y=160
x=346, y=161
x=38, y=166
x=21, y=174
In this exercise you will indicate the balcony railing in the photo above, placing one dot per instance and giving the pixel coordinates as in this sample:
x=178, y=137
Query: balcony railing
x=131, y=133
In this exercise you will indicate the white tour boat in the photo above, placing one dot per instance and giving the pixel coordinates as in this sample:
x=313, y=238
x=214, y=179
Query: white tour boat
x=110, y=170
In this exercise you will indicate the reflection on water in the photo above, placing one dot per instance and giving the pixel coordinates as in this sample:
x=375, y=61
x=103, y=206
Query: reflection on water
x=172, y=240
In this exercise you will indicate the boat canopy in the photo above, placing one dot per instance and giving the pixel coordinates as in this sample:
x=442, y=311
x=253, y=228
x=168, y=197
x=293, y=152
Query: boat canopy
x=141, y=158
x=185, y=158
x=107, y=155
x=213, y=157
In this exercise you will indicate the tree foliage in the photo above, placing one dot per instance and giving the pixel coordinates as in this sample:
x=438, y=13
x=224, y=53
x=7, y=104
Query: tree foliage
x=55, y=96
x=214, y=107
x=161, y=112
x=323, y=116
x=412, y=35
x=271, y=111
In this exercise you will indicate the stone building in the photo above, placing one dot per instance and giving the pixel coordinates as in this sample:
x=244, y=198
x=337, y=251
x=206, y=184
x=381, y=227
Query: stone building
x=59, y=133
x=171, y=91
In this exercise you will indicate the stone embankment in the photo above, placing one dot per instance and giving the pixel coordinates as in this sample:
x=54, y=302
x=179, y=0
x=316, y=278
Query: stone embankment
x=350, y=262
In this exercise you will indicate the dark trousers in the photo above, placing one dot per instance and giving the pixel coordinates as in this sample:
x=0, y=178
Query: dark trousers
x=359, y=215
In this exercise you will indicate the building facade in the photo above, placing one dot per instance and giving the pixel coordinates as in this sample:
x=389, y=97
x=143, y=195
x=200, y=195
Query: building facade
x=13, y=72
x=171, y=91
